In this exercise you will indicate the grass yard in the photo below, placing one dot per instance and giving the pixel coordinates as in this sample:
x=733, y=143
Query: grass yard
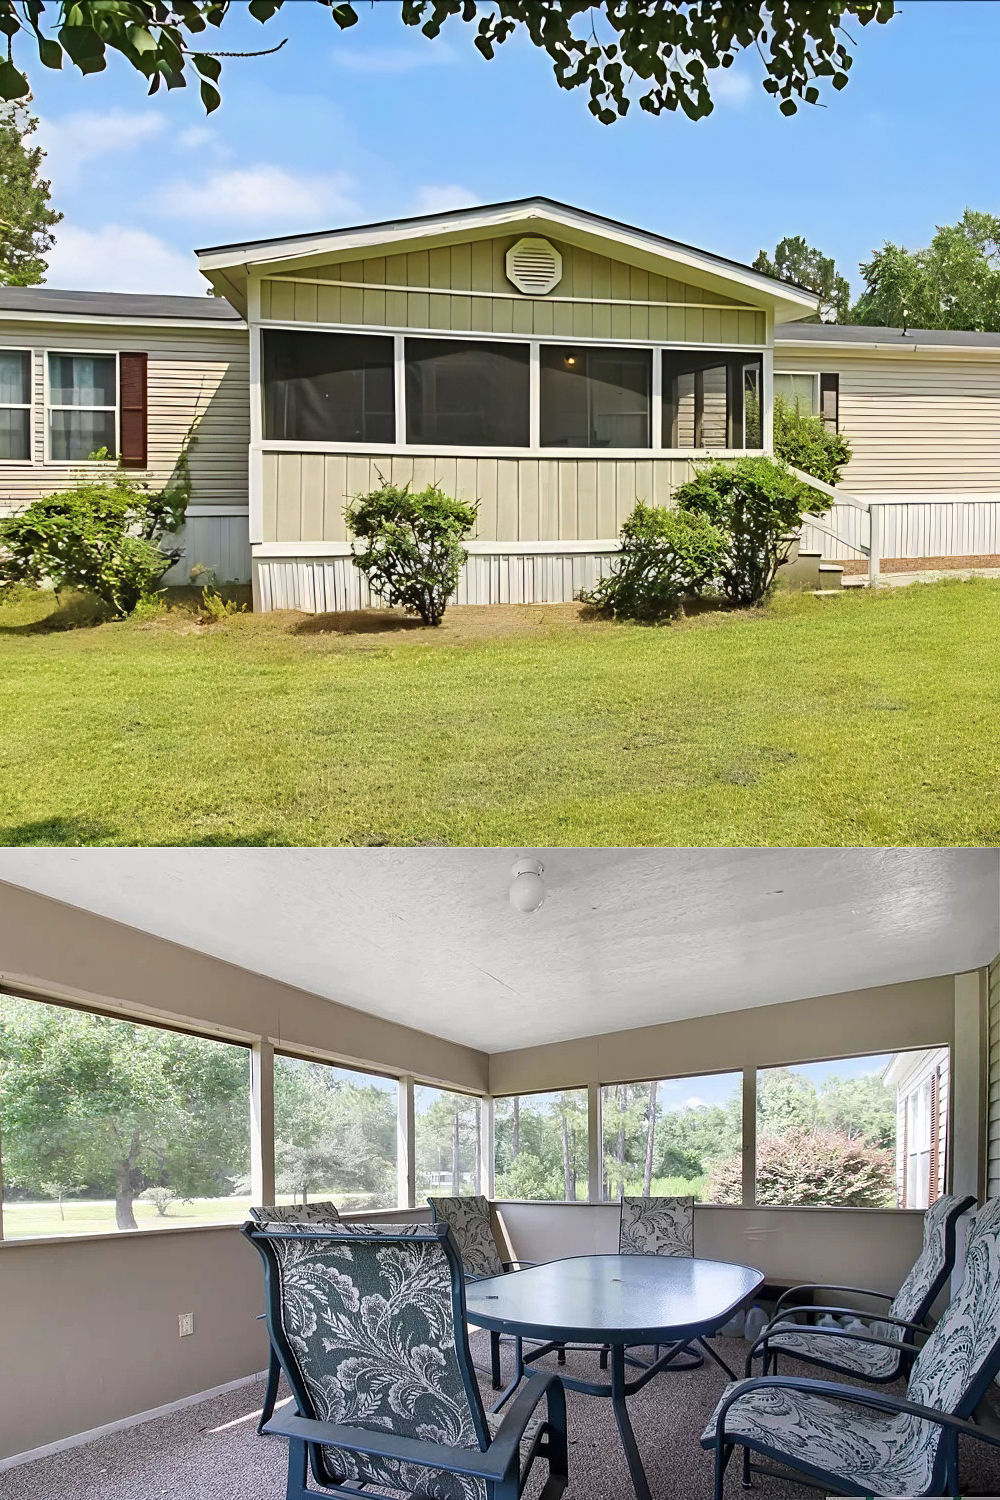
x=97, y=1216
x=863, y=719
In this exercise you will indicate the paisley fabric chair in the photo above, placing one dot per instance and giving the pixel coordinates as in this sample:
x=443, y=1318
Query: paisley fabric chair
x=323, y=1212
x=857, y=1440
x=663, y=1226
x=368, y=1323
x=885, y=1352
x=472, y=1230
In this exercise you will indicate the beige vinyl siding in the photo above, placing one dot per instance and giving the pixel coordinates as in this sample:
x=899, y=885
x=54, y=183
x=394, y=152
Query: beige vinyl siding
x=993, y=1098
x=520, y=499
x=479, y=267
x=920, y=424
x=198, y=385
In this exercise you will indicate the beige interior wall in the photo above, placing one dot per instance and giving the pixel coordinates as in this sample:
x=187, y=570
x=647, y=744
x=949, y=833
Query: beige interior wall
x=886, y=1019
x=863, y=1247
x=50, y=947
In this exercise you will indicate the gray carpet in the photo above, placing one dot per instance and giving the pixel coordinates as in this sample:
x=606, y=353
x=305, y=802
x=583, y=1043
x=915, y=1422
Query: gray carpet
x=212, y=1451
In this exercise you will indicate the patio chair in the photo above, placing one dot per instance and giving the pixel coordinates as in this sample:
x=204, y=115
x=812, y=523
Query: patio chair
x=323, y=1212
x=885, y=1352
x=368, y=1323
x=662, y=1226
x=857, y=1440
x=472, y=1227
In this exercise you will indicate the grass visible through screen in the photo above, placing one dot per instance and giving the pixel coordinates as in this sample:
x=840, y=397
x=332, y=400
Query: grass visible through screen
x=838, y=721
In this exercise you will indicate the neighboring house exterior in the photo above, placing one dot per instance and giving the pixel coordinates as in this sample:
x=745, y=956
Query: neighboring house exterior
x=550, y=364
x=921, y=1080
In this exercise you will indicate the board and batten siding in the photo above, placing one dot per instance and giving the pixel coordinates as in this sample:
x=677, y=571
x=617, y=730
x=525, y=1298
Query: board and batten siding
x=520, y=499
x=198, y=401
x=478, y=267
x=916, y=424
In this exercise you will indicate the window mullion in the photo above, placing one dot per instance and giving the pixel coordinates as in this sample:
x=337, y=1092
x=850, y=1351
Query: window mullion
x=656, y=397
x=399, y=392
x=595, y=1144
x=262, y=1121
x=749, y=1137
x=534, y=394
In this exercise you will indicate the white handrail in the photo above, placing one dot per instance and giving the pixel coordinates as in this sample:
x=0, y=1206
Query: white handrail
x=873, y=551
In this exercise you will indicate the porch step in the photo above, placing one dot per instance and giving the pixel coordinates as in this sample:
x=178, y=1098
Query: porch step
x=831, y=576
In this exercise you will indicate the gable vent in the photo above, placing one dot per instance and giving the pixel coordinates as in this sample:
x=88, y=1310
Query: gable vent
x=534, y=266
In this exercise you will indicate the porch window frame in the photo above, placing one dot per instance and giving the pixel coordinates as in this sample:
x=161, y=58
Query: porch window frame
x=534, y=450
x=28, y=406
x=60, y=351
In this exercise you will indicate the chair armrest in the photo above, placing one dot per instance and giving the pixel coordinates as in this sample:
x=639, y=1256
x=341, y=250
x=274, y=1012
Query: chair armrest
x=824, y=1286
x=856, y=1396
x=808, y=1307
x=506, y=1445
x=494, y=1464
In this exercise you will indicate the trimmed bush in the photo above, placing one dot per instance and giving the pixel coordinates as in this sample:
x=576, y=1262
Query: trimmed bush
x=805, y=442
x=666, y=555
x=412, y=550
x=757, y=504
x=104, y=536
x=801, y=1165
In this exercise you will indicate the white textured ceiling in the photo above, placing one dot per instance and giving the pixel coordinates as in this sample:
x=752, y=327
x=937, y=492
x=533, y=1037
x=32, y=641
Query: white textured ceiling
x=626, y=937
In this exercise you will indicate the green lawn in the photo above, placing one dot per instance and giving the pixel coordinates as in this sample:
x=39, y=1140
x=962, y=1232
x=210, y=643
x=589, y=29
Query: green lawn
x=97, y=1216
x=864, y=719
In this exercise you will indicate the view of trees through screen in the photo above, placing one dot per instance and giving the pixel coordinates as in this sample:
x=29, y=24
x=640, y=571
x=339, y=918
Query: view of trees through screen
x=540, y=1145
x=108, y=1124
x=448, y=1143
x=334, y=1135
x=671, y=1137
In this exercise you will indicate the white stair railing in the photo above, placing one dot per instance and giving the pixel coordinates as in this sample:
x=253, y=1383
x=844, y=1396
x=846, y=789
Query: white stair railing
x=873, y=550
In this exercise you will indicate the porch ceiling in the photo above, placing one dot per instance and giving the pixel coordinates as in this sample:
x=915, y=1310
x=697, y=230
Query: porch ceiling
x=626, y=937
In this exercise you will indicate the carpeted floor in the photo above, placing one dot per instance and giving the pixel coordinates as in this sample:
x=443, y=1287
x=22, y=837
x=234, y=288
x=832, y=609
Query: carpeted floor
x=212, y=1451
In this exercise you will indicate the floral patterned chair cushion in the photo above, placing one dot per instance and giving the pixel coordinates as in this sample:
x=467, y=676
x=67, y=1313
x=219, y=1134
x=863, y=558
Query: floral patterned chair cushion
x=296, y=1213
x=911, y=1304
x=657, y=1226
x=371, y=1331
x=469, y=1221
x=887, y=1453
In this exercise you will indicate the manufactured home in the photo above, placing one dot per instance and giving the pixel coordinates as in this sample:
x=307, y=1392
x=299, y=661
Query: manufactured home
x=550, y=364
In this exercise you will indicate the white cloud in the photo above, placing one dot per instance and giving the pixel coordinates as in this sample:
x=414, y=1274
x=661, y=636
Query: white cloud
x=437, y=198
x=87, y=134
x=694, y=1102
x=261, y=195
x=730, y=87
x=397, y=59
x=116, y=258
x=194, y=136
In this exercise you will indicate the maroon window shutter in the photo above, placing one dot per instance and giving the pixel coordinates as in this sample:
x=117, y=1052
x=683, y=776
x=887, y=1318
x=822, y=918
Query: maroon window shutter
x=829, y=400
x=133, y=409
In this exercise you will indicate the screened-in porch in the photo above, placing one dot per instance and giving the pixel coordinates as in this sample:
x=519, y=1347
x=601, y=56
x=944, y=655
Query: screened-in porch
x=676, y=1086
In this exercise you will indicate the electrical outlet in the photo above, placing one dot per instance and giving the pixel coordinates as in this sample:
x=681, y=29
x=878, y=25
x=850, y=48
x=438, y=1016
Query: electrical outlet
x=185, y=1323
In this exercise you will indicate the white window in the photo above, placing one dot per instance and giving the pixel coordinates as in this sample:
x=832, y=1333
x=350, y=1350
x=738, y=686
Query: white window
x=800, y=391
x=15, y=405
x=82, y=415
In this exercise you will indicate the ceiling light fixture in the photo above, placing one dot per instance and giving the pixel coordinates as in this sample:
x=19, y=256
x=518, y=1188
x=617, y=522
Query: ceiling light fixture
x=527, y=891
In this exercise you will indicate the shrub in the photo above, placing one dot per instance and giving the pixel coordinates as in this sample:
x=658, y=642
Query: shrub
x=805, y=442
x=665, y=555
x=103, y=536
x=802, y=1165
x=412, y=553
x=756, y=503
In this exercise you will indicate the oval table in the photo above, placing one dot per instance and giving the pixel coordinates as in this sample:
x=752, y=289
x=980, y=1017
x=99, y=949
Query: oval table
x=619, y=1301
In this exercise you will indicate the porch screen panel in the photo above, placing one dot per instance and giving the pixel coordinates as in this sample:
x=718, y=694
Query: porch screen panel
x=463, y=393
x=328, y=387
x=595, y=398
x=447, y=1133
x=335, y=1135
x=674, y=1137
x=711, y=400
x=541, y=1150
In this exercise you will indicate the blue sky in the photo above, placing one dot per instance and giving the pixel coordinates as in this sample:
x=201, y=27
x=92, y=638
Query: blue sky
x=342, y=128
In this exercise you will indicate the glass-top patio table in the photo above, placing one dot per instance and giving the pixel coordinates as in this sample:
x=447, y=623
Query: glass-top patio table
x=622, y=1301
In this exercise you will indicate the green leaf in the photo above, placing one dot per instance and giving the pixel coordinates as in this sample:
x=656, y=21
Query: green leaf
x=13, y=83
x=210, y=96
x=208, y=67
x=49, y=52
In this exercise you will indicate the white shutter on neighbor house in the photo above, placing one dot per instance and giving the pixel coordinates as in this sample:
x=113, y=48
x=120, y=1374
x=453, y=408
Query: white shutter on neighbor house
x=993, y=1100
x=534, y=266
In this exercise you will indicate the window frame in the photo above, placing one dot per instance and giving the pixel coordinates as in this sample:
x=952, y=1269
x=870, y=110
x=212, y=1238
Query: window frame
x=534, y=342
x=28, y=406
x=813, y=375
x=61, y=350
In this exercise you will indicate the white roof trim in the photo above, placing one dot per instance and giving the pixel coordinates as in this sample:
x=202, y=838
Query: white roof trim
x=866, y=346
x=529, y=211
x=91, y=320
